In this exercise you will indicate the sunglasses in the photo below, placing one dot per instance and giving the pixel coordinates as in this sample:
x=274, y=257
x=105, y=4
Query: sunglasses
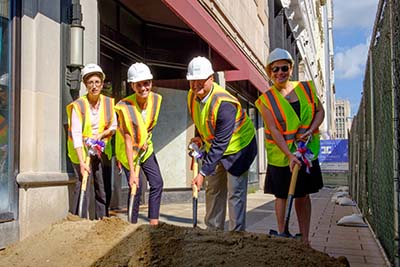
x=282, y=68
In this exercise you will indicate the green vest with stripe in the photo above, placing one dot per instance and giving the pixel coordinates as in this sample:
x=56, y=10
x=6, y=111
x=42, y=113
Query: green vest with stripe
x=82, y=109
x=205, y=119
x=130, y=118
x=289, y=124
x=3, y=131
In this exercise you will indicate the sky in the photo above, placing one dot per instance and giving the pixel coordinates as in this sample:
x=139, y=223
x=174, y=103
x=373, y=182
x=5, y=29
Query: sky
x=353, y=22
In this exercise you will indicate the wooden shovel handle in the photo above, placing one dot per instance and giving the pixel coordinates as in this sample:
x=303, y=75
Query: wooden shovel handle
x=195, y=172
x=134, y=186
x=293, y=180
x=85, y=175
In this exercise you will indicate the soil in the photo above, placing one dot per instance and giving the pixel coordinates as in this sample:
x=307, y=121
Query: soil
x=114, y=242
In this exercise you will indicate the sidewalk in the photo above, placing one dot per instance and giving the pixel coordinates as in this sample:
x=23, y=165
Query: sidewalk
x=357, y=244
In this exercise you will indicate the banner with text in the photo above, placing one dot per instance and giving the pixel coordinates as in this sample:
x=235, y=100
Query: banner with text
x=333, y=156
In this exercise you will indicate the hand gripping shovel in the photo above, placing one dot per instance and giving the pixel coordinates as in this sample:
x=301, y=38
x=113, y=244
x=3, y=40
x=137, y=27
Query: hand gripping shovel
x=196, y=154
x=95, y=148
x=195, y=192
x=134, y=187
x=83, y=188
x=292, y=188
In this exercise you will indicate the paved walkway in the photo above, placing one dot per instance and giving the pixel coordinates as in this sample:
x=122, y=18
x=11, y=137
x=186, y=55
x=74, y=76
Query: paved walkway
x=357, y=244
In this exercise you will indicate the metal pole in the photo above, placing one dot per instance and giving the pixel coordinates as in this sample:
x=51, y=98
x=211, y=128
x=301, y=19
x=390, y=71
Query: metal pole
x=395, y=70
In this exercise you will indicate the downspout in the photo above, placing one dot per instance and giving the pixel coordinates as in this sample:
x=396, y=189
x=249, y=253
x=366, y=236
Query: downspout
x=76, y=49
x=396, y=145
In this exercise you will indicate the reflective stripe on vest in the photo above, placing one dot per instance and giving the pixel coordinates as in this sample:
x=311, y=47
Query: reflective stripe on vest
x=131, y=119
x=3, y=130
x=279, y=115
x=205, y=119
x=294, y=125
x=211, y=121
x=156, y=103
x=81, y=107
x=139, y=129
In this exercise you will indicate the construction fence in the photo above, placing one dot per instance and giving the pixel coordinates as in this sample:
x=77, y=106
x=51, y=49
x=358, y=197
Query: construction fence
x=374, y=142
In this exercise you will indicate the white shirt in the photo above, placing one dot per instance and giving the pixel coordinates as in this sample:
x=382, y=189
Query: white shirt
x=76, y=127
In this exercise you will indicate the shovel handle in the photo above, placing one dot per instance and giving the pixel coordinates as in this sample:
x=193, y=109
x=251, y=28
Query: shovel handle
x=195, y=191
x=133, y=193
x=134, y=186
x=85, y=175
x=293, y=180
x=195, y=172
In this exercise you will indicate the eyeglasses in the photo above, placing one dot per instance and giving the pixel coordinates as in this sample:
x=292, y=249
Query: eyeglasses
x=284, y=68
x=141, y=84
x=91, y=83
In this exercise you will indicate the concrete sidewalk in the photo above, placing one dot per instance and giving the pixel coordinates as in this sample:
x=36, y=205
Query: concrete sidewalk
x=357, y=244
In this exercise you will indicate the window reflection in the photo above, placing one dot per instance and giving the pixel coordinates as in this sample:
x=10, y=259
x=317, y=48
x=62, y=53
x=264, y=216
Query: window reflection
x=4, y=105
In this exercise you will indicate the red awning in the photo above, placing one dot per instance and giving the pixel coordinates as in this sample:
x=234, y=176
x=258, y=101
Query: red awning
x=197, y=18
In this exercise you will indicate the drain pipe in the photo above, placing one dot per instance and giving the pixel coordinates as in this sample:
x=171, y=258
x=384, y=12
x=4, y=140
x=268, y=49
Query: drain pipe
x=395, y=70
x=76, y=49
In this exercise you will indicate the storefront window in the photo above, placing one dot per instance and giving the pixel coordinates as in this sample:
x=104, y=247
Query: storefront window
x=4, y=105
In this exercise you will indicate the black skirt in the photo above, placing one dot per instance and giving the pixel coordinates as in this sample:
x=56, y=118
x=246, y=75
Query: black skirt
x=277, y=180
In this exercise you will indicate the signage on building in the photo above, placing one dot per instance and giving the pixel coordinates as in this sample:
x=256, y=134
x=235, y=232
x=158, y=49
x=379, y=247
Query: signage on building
x=333, y=156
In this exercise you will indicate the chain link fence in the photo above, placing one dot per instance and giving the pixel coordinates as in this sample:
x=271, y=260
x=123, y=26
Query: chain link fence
x=374, y=138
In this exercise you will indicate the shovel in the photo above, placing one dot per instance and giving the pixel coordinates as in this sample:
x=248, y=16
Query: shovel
x=83, y=188
x=134, y=187
x=94, y=148
x=292, y=188
x=195, y=192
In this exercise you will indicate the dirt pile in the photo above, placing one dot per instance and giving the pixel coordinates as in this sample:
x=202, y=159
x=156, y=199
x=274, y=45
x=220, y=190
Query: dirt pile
x=114, y=242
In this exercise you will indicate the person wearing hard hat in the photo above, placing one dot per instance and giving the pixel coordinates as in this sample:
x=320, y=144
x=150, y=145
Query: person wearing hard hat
x=3, y=127
x=228, y=137
x=291, y=111
x=137, y=116
x=92, y=117
x=3, y=93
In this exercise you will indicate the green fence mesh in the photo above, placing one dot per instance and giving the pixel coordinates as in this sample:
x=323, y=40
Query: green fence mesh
x=374, y=139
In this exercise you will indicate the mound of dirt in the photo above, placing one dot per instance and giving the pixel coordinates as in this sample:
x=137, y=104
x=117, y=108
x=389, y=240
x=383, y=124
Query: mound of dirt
x=114, y=242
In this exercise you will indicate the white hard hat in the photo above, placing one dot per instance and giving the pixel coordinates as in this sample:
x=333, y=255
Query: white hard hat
x=199, y=69
x=279, y=54
x=4, y=79
x=139, y=72
x=92, y=68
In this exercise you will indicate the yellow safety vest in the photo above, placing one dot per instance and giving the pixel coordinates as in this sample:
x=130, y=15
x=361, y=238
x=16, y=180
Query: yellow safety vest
x=3, y=131
x=205, y=119
x=82, y=108
x=129, y=115
x=287, y=121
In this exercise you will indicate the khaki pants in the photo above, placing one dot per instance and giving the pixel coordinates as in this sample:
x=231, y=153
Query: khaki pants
x=221, y=187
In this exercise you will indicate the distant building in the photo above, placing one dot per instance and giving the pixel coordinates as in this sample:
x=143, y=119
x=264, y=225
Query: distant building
x=343, y=120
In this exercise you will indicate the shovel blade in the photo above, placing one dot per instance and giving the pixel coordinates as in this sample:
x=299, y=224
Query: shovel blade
x=80, y=207
x=195, y=201
x=130, y=208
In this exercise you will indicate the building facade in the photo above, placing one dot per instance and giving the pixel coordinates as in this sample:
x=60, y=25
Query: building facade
x=305, y=28
x=45, y=43
x=343, y=119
